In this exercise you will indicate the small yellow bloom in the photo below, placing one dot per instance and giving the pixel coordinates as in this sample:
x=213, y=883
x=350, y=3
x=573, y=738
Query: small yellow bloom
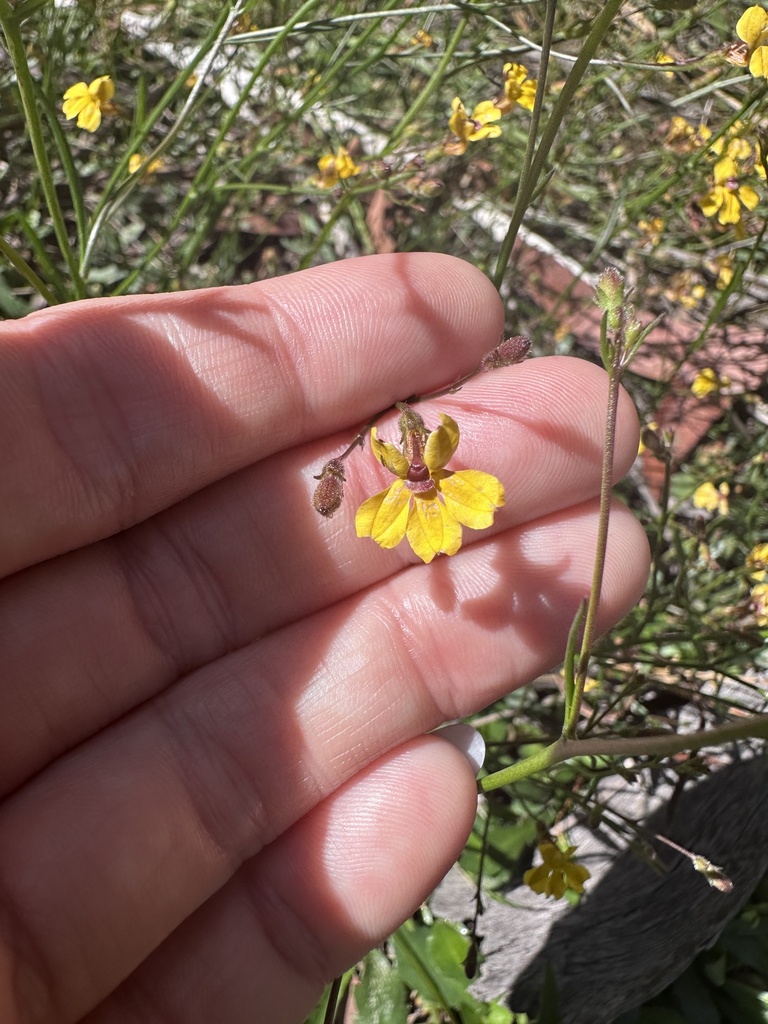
x=724, y=268
x=759, y=596
x=752, y=28
x=427, y=503
x=472, y=129
x=556, y=873
x=422, y=38
x=684, y=288
x=711, y=498
x=757, y=562
x=707, y=381
x=137, y=162
x=334, y=168
x=664, y=58
x=651, y=231
x=88, y=102
x=726, y=195
x=682, y=138
x=519, y=89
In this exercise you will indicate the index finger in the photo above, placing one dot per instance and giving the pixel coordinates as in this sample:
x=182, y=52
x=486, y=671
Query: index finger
x=113, y=409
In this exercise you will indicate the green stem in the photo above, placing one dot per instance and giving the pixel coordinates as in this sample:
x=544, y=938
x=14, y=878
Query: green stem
x=20, y=264
x=108, y=208
x=426, y=93
x=26, y=84
x=198, y=183
x=528, y=184
x=606, y=485
x=630, y=746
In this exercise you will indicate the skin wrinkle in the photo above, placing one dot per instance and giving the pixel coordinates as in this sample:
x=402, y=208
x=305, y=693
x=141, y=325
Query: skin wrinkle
x=197, y=578
x=213, y=769
x=31, y=981
x=102, y=487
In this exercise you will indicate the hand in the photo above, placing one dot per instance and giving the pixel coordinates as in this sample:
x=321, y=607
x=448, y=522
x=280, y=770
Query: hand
x=217, y=789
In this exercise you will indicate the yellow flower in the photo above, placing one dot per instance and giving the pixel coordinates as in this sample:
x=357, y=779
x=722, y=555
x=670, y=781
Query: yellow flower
x=664, y=58
x=87, y=102
x=724, y=267
x=752, y=28
x=684, y=289
x=651, y=231
x=725, y=196
x=137, y=162
x=334, y=168
x=757, y=562
x=711, y=498
x=472, y=129
x=556, y=873
x=427, y=503
x=422, y=38
x=683, y=138
x=759, y=595
x=707, y=381
x=518, y=89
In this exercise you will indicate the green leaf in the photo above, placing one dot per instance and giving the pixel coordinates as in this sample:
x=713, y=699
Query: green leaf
x=380, y=996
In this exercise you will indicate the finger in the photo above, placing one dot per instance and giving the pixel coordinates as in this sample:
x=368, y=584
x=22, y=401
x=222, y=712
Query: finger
x=95, y=633
x=155, y=814
x=123, y=406
x=312, y=903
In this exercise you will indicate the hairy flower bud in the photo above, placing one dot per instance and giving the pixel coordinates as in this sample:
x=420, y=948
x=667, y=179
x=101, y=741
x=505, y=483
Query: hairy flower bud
x=510, y=351
x=329, y=493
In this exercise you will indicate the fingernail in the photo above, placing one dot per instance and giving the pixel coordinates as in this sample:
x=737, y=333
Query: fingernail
x=467, y=740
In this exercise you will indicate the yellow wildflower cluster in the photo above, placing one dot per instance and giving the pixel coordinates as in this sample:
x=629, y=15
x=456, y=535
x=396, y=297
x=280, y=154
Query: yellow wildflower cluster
x=88, y=102
x=427, y=503
x=335, y=168
x=556, y=873
x=518, y=90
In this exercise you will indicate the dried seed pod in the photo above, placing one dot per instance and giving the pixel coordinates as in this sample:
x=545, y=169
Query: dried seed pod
x=329, y=493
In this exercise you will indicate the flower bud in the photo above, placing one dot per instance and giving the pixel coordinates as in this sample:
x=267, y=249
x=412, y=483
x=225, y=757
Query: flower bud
x=329, y=493
x=510, y=351
x=609, y=295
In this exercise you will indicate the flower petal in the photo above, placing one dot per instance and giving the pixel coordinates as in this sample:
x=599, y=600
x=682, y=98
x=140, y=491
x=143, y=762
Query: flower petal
x=102, y=89
x=748, y=196
x=90, y=117
x=432, y=530
x=384, y=517
x=712, y=201
x=751, y=25
x=485, y=112
x=730, y=211
x=758, y=62
x=441, y=444
x=471, y=496
x=390, y=456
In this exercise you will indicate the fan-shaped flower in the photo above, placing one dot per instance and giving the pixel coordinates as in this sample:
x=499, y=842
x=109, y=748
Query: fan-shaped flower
x=427, y=503
x=727, y=195
x=556, y=873
x=88, y=102
x=472, y=129
x=519, y=89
